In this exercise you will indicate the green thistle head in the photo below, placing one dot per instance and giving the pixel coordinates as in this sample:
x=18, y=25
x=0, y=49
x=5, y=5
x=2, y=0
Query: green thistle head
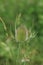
x=21, y=33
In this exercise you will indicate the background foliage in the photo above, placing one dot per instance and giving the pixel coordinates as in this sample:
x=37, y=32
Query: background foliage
x=12, y=52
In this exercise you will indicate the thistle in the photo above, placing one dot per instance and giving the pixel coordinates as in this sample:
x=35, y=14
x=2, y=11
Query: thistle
x=21, y=33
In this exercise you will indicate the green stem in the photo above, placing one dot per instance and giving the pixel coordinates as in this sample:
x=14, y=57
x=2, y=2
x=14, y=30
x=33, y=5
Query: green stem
x=5, y=28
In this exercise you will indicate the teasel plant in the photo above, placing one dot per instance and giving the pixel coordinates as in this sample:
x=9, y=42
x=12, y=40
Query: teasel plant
x=22, y=34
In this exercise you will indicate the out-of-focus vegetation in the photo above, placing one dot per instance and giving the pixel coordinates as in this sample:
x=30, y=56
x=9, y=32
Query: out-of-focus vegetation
x=13, y=13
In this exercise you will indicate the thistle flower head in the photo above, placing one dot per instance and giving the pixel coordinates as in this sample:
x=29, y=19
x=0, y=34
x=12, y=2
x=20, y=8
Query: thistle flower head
x=23, y=34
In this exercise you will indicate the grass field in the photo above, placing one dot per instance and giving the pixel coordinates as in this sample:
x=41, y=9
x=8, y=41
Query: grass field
x=21, y=32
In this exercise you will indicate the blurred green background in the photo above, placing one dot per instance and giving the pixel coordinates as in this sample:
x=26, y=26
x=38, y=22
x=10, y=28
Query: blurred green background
x=12, y=52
